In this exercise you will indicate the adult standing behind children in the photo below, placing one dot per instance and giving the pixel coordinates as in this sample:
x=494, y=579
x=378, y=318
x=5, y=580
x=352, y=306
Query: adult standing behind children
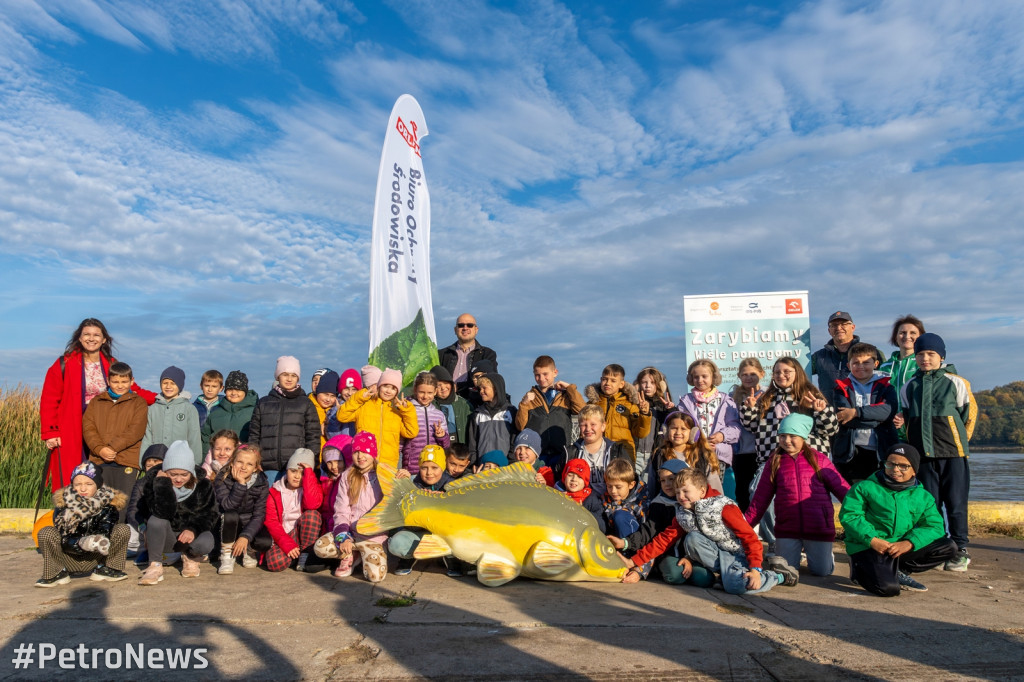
x=74, y=379
x=284, y=421
x=459, y=357
x=829, y=362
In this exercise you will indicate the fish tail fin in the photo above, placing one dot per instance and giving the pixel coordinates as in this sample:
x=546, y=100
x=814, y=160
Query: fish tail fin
x=387, y=514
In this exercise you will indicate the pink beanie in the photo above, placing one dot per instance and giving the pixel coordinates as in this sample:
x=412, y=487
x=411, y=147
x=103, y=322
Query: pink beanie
x=371, y=375
x=339, y=447
x=365, y=442
x=390, y=376
x=350, y=379
x=287, y=363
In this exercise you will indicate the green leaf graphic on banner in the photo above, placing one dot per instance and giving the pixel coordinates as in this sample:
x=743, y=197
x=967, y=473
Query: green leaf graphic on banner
x=409, y=350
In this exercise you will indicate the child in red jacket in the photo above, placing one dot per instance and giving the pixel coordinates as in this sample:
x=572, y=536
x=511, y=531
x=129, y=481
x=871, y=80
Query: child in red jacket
x=799, y=479
x=293, y=513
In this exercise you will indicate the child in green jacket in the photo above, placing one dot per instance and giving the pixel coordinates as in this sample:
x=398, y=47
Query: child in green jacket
x=893, y=527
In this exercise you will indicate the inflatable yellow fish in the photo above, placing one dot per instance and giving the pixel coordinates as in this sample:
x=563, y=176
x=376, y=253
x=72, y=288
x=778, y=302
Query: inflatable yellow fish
x=503, y=521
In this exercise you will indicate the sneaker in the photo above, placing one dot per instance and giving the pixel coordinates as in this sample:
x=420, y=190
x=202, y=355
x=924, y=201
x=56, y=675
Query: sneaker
x=908, y=583
x=153, y=574
x=405, y=566
x=227, y=562
x=249, y=559
x=300, y=565
x=107, y=573
x=453, y=568
x=790, y=576
x=62, y=578
x=959, y=563
x=189, y=567
x=344, y=569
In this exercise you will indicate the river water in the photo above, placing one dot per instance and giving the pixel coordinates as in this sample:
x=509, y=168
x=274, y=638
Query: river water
x=997, y=476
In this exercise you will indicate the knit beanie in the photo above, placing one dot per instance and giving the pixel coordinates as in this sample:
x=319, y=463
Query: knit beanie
x=530, y=439
x=674, y=465
x=796, y=425
x=342, y=444
x=390, y=376
x=365, y=442
x=322, y=371
x=433, y=453
x=371, y=375
x=179, y=456
x=907, y=450
x=495, y=457
x=350, y=379
x=441, y=374
x=930, y=341
x=301, y=456
x=155, y=451
x=578, y=467
x=236, y=381
x=485, y=366
x=175, y=374
x=89, y=470
x=328, y=382
x=289, y=364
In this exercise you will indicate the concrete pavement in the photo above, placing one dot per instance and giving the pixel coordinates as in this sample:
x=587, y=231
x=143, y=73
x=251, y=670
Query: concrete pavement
x=255, y=625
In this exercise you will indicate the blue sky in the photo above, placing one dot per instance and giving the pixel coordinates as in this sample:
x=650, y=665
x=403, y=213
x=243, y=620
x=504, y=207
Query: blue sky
x=200, y=175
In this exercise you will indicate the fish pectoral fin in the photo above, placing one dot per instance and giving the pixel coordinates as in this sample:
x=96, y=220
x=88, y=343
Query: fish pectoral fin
x=432, y=547
x=550, y=559
x=493, y=570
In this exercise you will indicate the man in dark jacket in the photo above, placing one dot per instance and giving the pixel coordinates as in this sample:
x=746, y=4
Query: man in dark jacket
x=459, y=357
x=829, y=363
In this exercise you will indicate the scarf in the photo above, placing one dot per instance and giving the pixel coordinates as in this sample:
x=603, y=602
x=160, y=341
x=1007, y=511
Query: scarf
x=706, y=396
x=895, y=486
x=294, y=393
x=783, y=397
x=78, y=509
x=183, y=493
x=114, y=396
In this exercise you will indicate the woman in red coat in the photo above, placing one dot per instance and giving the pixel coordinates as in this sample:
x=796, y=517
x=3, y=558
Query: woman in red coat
x=71, y=382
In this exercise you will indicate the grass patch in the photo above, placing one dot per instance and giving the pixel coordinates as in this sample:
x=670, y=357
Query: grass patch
x=397, y=601
x=22, y=451
x=1011, y=530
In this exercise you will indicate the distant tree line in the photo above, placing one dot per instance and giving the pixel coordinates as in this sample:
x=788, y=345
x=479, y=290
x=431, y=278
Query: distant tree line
x=1000, y=416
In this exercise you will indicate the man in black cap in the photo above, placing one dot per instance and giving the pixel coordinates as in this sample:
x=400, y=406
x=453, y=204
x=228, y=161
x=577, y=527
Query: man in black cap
x=829, y=362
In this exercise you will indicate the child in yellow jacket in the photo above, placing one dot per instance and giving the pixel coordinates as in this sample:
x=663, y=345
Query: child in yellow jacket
x=382, y=411
x=627, y=414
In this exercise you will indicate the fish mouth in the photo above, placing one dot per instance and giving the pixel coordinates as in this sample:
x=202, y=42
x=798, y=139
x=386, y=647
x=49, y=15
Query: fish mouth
x=600, y=559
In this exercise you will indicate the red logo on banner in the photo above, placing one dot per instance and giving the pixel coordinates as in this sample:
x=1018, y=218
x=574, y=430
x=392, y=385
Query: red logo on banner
x=794, y=306
x=410, y=136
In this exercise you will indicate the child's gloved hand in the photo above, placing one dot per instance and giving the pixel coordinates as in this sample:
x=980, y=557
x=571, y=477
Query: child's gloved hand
x=99, y=544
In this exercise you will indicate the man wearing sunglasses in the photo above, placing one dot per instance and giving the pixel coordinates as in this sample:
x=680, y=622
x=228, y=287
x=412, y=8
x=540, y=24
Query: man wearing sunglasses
x=459, y=357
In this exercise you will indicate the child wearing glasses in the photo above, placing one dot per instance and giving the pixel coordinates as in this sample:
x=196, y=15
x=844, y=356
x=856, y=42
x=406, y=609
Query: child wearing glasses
x=893, y=527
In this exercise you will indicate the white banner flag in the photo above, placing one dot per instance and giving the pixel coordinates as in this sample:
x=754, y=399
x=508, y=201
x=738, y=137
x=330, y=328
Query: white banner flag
x=401, y=316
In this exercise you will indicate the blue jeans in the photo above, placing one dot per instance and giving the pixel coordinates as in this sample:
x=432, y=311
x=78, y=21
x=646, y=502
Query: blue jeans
x=730, y=567
x=820, y=559
x=403, y=543
x=622, y=524
x=766, y=528
x=272, y=475
x=672, y=573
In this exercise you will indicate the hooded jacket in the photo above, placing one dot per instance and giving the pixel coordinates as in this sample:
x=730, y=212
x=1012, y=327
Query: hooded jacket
x=726, y=421
x=803, y=505
x=553, y=422
x=940, y=413
x=171, y=420
x=249, y=502
x=229, y=415
x=384, y=419
x=282, y=422
x=312, y=498
x=198, y=512
x=118, y=424
x=101, y=523
x=871, y=510
x=876, y=416
x=491, y=426
x=830, y=366
x=623, y=421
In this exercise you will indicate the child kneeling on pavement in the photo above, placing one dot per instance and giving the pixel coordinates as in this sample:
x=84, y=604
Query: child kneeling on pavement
x=717, y=538
x=85, y=535
x=893, y=527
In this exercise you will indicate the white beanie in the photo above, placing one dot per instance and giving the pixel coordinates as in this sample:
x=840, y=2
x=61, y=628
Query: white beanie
x=179, y=456
x=287, y=363
x=301, y=456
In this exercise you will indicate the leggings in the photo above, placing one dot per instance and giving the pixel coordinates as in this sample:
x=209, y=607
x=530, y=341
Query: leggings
x=161, y=538
x=231, y=525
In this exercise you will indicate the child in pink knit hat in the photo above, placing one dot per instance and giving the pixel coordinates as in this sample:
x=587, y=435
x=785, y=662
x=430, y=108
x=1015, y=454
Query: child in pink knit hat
x=382, y=410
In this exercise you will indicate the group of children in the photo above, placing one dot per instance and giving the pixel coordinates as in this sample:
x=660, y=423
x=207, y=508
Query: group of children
x=678, y=486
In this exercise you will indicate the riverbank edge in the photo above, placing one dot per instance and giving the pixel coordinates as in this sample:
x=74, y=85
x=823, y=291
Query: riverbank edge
x=1001, y=516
